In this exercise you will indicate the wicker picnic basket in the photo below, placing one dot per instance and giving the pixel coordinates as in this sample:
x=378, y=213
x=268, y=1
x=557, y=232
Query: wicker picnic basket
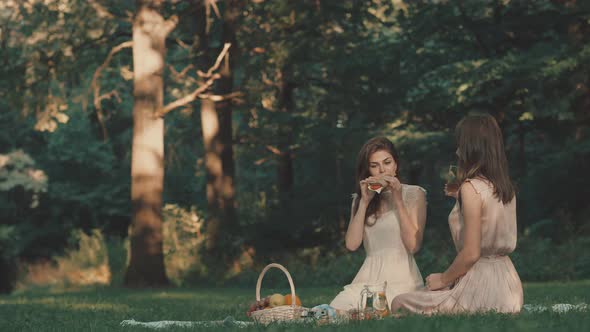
x=282, y=313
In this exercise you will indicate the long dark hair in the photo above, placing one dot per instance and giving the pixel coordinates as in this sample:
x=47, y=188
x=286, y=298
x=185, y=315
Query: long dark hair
x=481, y=154
x=362, y=169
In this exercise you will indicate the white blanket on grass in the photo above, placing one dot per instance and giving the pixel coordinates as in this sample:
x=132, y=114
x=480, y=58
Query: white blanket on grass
x=164, y=324
x=559, y=307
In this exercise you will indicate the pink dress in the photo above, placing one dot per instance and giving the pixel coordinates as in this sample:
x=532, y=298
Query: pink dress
x=492, y=284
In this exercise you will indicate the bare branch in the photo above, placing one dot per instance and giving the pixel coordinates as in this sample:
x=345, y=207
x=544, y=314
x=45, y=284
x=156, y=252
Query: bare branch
x=103, y=12
x=100, y=10
x=110, y=95
x=214, y=6
x=261, y=161
x=170, y=24
x=103, y=128
x=185, y=70
x=99, y=112
x=267, y=81
x=208, y=19
x=95, y=85
x=217, y=62
x=273, y=150
x=188, y=98
x=179, y=76
x=217, y=98
x=210, y=4
x=195, y=94
x=182, y=44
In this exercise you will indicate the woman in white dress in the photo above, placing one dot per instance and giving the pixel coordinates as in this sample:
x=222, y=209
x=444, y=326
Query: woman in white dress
x=389, y=224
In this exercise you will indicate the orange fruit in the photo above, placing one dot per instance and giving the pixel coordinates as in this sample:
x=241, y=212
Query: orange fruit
x=289, y=300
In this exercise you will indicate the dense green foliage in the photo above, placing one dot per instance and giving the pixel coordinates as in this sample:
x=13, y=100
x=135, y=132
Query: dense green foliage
x=318, y=78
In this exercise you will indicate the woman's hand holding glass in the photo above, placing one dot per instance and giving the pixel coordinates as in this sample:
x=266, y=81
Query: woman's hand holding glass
x=451, y=186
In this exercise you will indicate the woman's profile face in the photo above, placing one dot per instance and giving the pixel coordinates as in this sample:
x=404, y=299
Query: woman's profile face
x=382, y=163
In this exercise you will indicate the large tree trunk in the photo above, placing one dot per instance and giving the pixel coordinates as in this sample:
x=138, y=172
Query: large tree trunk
x=146, y=267
x=216, y=122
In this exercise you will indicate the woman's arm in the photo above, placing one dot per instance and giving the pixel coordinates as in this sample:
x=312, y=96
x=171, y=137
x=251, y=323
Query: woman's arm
x=356, y=226
x=412, y=220
x=471, y=206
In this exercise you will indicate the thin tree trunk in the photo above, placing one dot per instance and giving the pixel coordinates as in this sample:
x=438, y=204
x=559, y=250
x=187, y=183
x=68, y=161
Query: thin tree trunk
x=8, y=275
x=285, y=167
x=216, y=122
x=146, y=266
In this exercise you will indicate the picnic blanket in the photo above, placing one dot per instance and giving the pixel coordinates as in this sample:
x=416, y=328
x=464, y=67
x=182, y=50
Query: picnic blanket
x=164, y=324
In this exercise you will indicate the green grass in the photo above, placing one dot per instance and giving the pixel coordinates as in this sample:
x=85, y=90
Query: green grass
x=102, y=309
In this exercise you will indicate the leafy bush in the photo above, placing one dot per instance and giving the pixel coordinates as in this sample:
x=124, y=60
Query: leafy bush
x=84, y=263
x=21, y=186
x=182, y=243
x=540, y=259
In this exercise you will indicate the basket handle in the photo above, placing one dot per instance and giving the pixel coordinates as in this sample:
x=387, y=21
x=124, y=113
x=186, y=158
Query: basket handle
x=282, y=268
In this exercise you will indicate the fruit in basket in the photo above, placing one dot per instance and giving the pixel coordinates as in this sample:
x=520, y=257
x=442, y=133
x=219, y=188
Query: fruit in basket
x=289, y=300
x=258, y=305
x=276, y=300
x=253, y=307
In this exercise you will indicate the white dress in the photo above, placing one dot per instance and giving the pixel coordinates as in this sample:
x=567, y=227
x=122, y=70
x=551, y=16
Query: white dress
x=387, y=258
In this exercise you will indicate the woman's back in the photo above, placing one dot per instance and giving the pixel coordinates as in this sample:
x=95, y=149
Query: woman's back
x=498, y=221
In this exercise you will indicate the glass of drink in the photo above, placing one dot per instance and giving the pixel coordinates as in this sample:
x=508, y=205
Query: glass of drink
x=374, y=301
x=451, y=183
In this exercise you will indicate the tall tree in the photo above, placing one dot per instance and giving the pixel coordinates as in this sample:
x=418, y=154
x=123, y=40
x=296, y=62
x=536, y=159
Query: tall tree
x=216, y=122
x=150, y=29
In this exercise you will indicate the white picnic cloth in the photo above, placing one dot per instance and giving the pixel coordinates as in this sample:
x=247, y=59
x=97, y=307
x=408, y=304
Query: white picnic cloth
x=164, y=324
x=558, y=307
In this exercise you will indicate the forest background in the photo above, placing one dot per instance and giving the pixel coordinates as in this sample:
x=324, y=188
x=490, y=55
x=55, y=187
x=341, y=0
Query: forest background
x=151, y=143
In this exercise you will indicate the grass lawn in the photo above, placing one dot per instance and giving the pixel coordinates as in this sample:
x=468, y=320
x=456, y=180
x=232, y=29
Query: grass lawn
x=102, y=309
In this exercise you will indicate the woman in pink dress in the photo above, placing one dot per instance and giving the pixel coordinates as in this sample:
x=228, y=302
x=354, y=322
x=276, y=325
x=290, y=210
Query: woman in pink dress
x=483, y=226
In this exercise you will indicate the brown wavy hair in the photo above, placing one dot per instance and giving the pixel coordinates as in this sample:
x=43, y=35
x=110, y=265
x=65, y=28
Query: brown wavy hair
x=481, y=153
x=362, y=170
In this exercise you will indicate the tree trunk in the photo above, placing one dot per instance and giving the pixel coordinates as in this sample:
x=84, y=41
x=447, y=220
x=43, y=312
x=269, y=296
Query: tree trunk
x=216, y=122
x=146, y=266
x=285, y=167
x=8, y=275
